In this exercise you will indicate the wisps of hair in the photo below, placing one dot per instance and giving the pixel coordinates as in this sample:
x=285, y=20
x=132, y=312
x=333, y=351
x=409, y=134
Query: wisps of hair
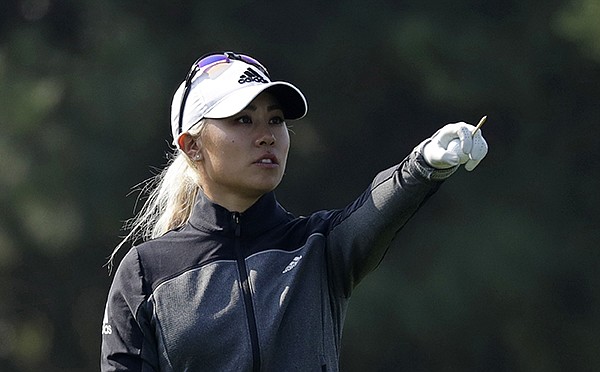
x=171, y=195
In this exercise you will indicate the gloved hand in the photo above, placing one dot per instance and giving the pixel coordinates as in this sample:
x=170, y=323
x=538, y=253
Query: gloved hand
x=455, y=144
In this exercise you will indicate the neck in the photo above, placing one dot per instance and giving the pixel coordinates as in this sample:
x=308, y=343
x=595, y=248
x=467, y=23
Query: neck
x=236, y=205
x=233, y=203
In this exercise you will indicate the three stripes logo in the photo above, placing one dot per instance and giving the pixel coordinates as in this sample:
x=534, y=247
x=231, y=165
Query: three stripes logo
x=251, y=76
x=292, y=264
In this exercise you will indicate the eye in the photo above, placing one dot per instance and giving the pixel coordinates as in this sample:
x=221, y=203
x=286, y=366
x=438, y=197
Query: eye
x=277, y=120
x=244, y=119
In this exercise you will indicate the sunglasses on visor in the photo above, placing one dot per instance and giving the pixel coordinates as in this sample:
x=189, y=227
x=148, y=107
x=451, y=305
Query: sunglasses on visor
x=206, y=62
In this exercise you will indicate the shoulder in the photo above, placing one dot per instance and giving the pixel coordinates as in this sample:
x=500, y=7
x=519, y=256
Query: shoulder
x=163, y=258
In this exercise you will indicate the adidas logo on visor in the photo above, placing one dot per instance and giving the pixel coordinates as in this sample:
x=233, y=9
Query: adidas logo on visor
x=251, y=76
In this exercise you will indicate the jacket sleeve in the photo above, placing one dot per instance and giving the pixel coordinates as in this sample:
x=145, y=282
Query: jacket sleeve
x=127, y=342
x=360, y=234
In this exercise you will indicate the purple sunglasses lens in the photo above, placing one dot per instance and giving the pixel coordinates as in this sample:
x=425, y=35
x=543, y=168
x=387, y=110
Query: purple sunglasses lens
x=212, y=59
x=254, y=62
x=226, y=57
x=249, y=60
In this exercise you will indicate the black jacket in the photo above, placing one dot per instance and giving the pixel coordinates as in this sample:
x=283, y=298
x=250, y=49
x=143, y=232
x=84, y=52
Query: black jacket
x=256, y=291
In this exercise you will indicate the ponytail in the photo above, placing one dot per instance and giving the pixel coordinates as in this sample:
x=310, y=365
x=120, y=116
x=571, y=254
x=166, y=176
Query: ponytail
x=171, y=198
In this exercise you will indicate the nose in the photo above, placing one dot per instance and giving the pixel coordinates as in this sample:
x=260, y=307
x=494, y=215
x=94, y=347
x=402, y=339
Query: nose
x=266, y=138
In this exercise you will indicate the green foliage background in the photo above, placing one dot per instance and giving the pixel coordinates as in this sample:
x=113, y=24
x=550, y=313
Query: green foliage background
x=498, y=272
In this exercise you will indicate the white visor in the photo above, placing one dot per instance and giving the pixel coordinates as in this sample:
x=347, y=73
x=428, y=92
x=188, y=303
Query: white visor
x=225, y=89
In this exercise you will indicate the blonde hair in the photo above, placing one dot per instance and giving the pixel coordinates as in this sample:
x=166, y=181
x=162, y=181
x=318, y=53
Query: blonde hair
x=171, y=196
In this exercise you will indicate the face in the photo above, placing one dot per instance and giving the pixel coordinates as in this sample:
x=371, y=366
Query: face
x=244, y=156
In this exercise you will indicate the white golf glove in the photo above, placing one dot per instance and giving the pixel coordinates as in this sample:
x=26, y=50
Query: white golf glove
x=455, y=144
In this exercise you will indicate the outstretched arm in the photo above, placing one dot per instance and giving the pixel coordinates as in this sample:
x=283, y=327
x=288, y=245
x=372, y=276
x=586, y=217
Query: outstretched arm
x=361, y=233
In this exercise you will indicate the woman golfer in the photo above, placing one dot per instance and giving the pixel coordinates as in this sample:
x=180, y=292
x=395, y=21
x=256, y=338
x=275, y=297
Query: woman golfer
x=226, y=279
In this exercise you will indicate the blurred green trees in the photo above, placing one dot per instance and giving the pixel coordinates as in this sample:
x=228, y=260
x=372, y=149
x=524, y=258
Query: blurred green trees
x=498, y=272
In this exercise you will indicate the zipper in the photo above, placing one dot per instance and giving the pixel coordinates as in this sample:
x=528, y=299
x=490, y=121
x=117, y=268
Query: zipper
x=247, y=295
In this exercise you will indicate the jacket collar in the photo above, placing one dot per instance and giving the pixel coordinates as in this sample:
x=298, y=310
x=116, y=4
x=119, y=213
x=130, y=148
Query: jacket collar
x=263, y=215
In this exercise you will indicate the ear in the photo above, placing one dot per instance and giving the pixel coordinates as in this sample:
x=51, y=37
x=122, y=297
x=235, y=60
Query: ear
x=190, y=145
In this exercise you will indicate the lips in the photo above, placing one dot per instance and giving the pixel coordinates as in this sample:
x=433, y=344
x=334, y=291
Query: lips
x=267, y=159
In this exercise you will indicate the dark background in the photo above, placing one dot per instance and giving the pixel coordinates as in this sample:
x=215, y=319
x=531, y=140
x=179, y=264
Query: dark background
x=498, y=272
